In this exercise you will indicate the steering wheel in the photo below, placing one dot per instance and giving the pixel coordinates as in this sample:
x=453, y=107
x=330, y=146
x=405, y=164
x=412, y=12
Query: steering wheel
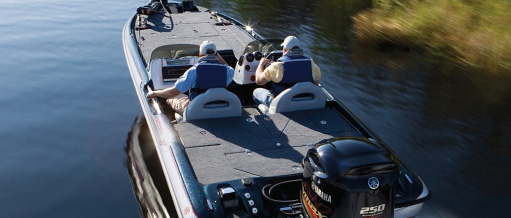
x=270, y=56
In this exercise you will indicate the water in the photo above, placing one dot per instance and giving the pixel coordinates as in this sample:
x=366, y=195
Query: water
x=68, y=103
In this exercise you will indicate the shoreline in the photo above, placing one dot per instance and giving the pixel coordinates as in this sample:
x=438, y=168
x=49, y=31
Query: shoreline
x=476, y=35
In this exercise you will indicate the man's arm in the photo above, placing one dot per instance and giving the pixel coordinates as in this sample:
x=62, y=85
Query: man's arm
x=260, y=78
x=164, y=93
x=221, y=60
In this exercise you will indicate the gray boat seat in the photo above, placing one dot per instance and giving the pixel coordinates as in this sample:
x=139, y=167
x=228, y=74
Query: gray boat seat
x=301, y=96
x=214, y=103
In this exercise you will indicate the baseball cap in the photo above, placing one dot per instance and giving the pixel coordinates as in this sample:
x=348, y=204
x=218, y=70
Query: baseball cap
x=207, y=48
x=290, y=42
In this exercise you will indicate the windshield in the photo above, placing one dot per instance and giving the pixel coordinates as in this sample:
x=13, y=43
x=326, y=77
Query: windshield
x=175, y=51
x=264, y=46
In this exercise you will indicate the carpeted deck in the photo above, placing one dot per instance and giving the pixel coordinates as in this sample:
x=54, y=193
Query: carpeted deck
x=257, y=145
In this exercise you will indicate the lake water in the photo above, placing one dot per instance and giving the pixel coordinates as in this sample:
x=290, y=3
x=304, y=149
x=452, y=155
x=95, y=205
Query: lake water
x=68, y=103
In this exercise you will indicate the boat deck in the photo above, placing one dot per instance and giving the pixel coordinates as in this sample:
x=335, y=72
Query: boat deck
x=181, y=28
x=233, y=148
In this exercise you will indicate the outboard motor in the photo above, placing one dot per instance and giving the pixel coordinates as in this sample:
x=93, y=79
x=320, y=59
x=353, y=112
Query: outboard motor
x=349, y=177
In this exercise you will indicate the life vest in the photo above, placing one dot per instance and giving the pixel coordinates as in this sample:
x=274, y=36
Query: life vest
x=209, y=74
x=296, y=69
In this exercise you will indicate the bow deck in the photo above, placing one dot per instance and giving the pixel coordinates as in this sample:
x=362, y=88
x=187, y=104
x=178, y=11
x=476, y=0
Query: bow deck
x=157, y=30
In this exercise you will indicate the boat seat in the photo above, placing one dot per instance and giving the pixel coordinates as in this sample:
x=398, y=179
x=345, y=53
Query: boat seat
x=301, y=96
x=214, y=103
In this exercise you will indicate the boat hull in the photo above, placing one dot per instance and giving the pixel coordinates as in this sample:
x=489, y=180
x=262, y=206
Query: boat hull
x=193, y=185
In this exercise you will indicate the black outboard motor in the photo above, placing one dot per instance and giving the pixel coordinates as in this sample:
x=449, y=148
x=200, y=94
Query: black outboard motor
x=349, y=177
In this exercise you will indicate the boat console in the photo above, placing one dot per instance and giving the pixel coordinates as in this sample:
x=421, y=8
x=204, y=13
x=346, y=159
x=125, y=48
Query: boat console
x=244, y=72
x=165, y=71
x=248, y=63
x=246, y=66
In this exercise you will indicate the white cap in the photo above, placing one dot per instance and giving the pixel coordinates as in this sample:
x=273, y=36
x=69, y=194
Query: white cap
x=207, y=48
x=290, y=42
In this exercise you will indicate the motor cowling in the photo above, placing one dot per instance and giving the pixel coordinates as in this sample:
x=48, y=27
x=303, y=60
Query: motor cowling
x=349, y=177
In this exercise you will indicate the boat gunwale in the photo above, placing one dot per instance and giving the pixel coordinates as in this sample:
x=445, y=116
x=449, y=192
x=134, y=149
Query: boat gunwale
x=131, y=48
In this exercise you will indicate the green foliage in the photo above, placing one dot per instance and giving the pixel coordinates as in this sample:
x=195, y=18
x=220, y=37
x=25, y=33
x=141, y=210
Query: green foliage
x=474, y=33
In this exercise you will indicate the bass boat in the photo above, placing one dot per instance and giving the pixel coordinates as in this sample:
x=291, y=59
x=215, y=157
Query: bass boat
x=306, y=155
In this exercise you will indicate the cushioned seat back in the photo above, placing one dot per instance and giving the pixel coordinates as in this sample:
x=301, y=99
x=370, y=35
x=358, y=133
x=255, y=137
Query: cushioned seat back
x=296, y=69
x=214, y=103
x=301, y=96
x=209, y=75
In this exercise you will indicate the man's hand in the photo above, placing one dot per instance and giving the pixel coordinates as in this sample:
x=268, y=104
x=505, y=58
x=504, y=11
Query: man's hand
x=264, y=62
x=150, y=95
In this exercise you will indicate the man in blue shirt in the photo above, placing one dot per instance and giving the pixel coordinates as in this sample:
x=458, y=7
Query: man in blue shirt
x=208, y=70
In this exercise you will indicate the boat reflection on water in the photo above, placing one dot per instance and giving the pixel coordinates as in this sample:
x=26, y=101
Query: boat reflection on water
x=145, y=172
